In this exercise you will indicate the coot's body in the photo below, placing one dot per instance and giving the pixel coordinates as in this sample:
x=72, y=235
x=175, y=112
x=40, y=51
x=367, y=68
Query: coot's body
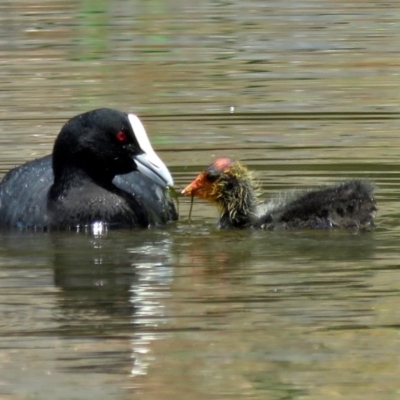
x=98, y=179
x=29, y=208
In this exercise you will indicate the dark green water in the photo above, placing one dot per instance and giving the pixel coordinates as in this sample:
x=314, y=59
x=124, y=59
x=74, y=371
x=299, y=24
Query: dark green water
x=190, y=311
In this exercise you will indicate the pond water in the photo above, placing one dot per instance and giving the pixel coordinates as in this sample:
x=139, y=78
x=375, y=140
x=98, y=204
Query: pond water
x=304, y=93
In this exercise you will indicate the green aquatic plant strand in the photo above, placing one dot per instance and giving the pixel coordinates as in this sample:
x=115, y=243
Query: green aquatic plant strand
x=174, y=195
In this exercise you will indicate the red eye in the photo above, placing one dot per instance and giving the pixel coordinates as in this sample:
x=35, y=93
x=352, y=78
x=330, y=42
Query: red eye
x=121, y=136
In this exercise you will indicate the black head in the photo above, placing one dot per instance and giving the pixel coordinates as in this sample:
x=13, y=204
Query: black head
x=104, y=143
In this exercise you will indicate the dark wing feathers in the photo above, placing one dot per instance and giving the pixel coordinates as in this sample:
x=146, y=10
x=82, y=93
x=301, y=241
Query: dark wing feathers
x=348, y=204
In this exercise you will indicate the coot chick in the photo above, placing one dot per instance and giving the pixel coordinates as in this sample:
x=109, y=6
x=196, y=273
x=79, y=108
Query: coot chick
x=231, y=187
x=102, y=170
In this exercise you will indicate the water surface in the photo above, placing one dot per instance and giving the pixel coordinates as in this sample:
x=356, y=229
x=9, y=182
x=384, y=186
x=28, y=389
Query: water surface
x=303, y=93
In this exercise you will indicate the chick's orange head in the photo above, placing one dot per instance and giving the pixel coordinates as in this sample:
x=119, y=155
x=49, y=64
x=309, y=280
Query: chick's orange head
x=205, y=184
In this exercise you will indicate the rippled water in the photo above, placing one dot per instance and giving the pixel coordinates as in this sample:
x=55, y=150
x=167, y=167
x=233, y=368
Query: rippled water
x=303, y=93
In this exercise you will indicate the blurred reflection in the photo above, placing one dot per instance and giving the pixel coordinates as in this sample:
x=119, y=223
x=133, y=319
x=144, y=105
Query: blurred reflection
x=113, y=285
x=217, y=251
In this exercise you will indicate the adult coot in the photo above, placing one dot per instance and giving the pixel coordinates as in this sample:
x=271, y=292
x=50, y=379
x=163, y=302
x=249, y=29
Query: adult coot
x=231, y=187
x=102, y=170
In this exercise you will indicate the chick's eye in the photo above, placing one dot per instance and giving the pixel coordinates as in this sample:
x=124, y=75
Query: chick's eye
x=121, y=137
x=211, y=177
